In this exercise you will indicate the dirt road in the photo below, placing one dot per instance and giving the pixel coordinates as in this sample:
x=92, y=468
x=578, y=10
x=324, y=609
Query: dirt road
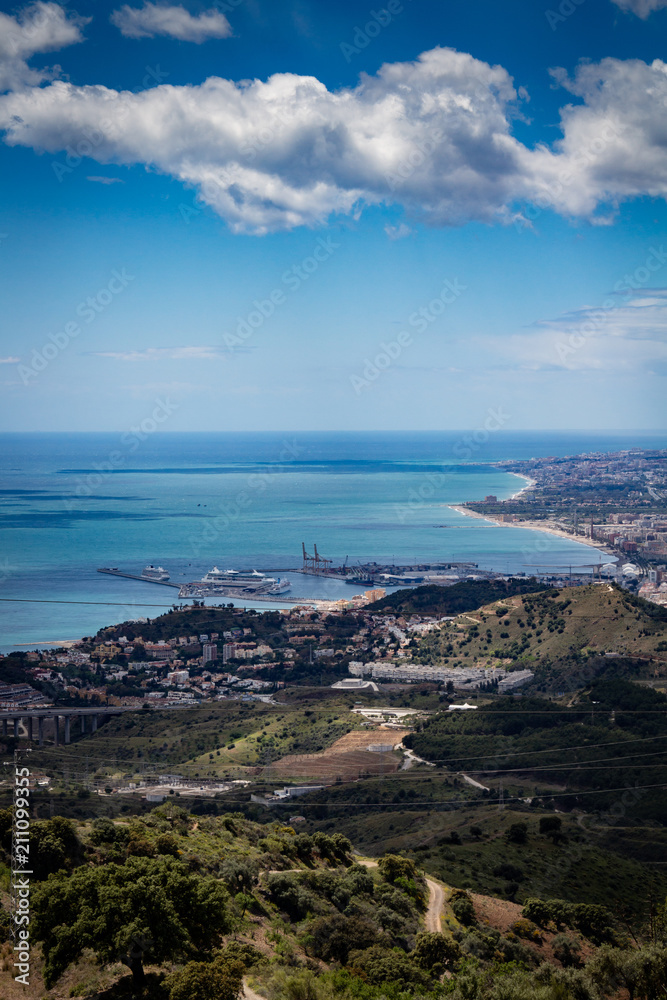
x=249, y=993
x=436, y=899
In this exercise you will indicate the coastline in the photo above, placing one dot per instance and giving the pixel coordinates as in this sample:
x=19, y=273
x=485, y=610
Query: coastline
x=530, y=483
x=547, y=528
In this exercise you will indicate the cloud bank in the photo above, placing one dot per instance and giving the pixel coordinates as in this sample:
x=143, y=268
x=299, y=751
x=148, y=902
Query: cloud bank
x=433, y=136
x=628, y=336
x=40, y=27
x=175, y=21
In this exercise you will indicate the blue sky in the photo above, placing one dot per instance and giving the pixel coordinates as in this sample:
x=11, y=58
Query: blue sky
x=311, y=216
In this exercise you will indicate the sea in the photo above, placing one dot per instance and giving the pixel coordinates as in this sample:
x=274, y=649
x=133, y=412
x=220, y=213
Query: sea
x=71, y=503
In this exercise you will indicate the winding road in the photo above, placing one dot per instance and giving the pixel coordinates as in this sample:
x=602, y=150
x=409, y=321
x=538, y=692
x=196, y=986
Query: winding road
x=436, y=899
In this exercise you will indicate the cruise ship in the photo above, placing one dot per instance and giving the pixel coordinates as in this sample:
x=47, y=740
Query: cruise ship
x=251, y=581
x=155, y=573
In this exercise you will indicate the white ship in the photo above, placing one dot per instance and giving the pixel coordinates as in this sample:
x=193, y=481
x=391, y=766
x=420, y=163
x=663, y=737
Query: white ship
x=248, y=580
x=158, y=573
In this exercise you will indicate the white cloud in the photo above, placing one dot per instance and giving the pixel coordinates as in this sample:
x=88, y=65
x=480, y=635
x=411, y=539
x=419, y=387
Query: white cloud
x=10, y=361
x=642, y=8
x=162, y=19
x=169, y=353
x=105, y=180
x=40, y=27
x=433, y=136
x=629, y=337
x=398, y=232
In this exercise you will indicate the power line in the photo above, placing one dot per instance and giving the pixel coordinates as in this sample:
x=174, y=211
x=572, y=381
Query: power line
x=110, y=604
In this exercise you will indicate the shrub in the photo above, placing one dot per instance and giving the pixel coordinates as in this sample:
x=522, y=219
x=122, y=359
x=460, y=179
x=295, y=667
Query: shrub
x=550, y=825
x=221, y=979
x=511, y=872
x=289, y=895
x=103, y=832
x=333, y=938
x=379, y=966
x=462, y=908
x=166, y=843
x=526, y=929
x=517, y=833
x=566, y=949
x=435, y=952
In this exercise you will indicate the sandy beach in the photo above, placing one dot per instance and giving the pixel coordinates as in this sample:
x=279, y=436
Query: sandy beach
x=548, y=527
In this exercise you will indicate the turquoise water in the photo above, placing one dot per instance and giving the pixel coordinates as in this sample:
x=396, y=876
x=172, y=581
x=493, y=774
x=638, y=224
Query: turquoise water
x=71, y=503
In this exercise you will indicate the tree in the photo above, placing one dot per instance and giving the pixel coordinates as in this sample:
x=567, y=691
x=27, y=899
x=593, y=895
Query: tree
x=149, y=909
x=550, y=825
x=393, y=866
x=382, y=965
x=244, y=901
x=238, y=875
x=221, y=979
x=54, y=845
x=517, y=833
x=463, y=908
x=334, y=937
x=435, y=952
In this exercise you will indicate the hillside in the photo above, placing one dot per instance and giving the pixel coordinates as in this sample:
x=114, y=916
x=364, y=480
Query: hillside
x=610, y=737
x=300, y=918
x=523, y=629
x=434, y=600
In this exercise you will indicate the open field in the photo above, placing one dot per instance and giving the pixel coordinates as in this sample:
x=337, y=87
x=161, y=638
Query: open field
x=346, y=759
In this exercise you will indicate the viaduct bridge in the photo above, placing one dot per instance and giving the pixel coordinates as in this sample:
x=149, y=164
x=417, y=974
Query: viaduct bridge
x=54, y=715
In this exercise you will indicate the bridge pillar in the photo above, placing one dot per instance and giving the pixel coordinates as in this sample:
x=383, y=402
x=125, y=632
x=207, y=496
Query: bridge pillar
x=16, y=728
x=83, y=723
x=93, y=724
x=40, y=730
x=56, y=720
x=29, y=723
x=4, y=727
x=67, y=728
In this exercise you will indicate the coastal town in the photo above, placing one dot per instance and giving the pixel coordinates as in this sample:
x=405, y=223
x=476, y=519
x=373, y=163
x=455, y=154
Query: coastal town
x=615, y=502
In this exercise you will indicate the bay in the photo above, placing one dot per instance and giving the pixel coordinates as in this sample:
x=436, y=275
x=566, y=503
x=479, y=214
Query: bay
x=70, y=503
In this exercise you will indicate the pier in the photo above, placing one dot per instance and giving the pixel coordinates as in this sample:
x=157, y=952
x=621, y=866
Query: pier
x=135, y=576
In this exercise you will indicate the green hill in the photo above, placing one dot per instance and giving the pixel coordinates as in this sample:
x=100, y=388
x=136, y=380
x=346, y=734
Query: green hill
x=550, y=624
x=214, y=900
x=435, y=600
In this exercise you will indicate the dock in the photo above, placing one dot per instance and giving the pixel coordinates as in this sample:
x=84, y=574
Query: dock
x=135, y=576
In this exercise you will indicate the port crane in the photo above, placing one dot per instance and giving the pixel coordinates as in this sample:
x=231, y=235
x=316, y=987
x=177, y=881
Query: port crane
x=316, y=563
